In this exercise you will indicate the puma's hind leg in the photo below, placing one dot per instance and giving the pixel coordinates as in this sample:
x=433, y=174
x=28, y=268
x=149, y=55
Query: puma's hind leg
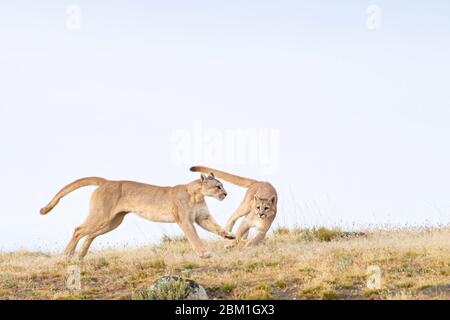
x=100, y=229
x=101, y=215
x=79, y=233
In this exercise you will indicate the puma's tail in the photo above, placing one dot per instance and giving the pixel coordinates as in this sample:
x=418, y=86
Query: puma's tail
x=240, y=181
x=91, y=181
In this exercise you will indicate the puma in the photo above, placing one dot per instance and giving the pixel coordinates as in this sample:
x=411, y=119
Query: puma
x=259, y=206
x=183, y=204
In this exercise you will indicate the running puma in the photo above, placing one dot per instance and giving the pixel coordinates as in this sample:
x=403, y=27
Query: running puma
x=259, y=206
x=183, y=204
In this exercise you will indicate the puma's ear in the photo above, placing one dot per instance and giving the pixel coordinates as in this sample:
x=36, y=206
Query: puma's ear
x=203, y=177
x=211, y=175
x=256, y=197
x=272, y=200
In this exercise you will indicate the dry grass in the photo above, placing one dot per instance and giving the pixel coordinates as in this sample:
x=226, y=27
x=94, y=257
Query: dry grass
x=291, y=264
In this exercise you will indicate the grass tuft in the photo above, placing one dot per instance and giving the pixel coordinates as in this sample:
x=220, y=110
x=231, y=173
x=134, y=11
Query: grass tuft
x=226, y=287
x=170, y=290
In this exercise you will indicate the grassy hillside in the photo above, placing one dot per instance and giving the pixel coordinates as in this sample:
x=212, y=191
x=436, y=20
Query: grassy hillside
x=291, y=264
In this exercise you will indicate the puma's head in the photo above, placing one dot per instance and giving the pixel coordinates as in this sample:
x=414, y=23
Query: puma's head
x=212, y=187
x=263, y=208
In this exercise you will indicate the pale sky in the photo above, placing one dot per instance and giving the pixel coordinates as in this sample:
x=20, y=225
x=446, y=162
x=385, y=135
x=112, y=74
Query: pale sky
x=352, y=123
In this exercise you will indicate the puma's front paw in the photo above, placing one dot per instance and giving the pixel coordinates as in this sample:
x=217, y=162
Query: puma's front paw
x=205, y=255
x=229, y=235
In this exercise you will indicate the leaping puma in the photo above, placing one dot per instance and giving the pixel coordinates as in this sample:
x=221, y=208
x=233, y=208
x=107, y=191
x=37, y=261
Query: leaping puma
x=113, y=200
x=259, y=206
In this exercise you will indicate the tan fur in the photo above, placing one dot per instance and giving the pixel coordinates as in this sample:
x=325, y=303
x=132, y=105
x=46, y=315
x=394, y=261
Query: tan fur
x=259, y=206
x=183, y=204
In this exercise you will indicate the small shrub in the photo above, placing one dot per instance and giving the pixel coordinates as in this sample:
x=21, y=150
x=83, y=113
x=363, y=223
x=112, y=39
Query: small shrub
x=260, y=292
x=226, y=287
x=171, y=290
x=141, y=274
x=346, y=283
x=271, y=264
x=443, y=271
x=280, y=283
x=425, y=286
x=8, y=281
x=371, y=293
x=317, y=234
x=189, y=265
x=102, y=262
x=310, y=292
x=252, y=266
x=324, y=234
x=329, y=295
x=158, y=264
x=406, y=284
x=281, y=231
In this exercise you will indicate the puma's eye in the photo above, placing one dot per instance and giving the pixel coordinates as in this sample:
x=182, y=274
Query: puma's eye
x=218, y=187
x=266, y=208
x=258, y=207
